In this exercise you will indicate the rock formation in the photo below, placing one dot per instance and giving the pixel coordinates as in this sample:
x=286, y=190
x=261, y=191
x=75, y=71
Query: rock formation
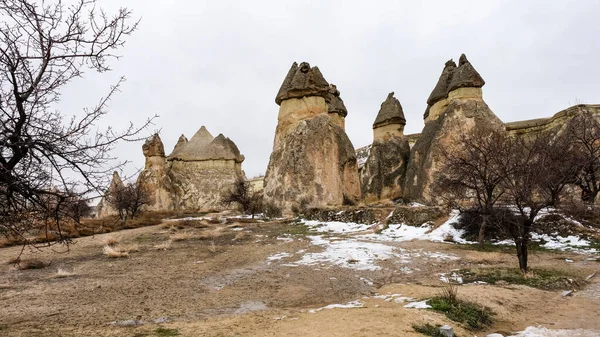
x=194, y=175
x=153, y=177
x=104, y=208
x=382, y=175
x=459, y=110
x=313, y=161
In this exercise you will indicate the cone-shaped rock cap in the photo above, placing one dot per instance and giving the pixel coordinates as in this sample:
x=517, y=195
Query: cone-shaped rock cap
x=153, y=147
x=180, y=143
x=202, y=146
x=335, y=103
x=116, y=182
x=390, y=112
x=302, y=81
x=441, y=88
x=465, y=76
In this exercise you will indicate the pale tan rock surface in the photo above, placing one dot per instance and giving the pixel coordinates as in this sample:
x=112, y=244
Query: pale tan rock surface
x=194, y=176
x=313, y=161
x=382, y=175
x=461, y=110
x=104, y=209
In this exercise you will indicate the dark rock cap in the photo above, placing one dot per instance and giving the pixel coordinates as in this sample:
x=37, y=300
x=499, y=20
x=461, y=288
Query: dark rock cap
x=153, y=147
x=390, y=112
x=302, y=81
x=335, y=102
x=465, y=76
x=441, y=88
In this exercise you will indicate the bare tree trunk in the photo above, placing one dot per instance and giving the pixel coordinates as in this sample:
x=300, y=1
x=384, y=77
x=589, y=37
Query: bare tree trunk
x=482, y=227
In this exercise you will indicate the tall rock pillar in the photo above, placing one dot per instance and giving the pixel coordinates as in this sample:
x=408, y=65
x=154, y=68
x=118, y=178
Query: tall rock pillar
x=382, y=176
x=455, y=107
x=313, y=161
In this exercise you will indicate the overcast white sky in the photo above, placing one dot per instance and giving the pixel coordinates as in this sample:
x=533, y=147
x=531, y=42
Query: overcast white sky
x=221, y=63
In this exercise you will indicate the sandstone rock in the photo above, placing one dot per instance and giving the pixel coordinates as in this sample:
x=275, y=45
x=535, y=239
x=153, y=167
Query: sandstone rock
x=153, y=147
x=316, y=164
x=383, y=174
x=152, y=178
x=180, y=143
x=104, y=209
x=440, y=91
x=302, y=81
x=335, y=103
x=461, y=116
x=465, y=76
x=390, y=112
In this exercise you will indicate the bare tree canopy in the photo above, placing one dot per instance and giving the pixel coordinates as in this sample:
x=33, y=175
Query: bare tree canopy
x=509, y=180
x=44, y=154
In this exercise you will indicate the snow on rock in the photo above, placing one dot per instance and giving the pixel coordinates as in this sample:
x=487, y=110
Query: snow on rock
x=544, y=332
x=418, y=305
x=353, y=304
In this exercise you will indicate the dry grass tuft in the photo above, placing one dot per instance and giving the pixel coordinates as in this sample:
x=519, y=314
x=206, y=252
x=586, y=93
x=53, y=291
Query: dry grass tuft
x=213, y=248
x=32, y=264
x=211, y=234
x=61, y=273
x=129, y=248
x=182, y=236
x=114, y=252
x=163, y=246
x=240, y=236
x=111, y=241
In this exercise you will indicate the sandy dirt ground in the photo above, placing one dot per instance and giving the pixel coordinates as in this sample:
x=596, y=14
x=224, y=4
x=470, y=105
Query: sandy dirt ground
x=243, y=279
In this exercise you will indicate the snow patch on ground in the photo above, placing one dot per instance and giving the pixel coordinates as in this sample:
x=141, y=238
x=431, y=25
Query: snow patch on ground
x=564, y=243
x=278, y=256
x=418, y=305
x=544, y=332
x=353, y=304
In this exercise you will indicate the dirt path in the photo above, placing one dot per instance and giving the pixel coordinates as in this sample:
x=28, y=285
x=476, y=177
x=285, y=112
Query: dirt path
x=263, y=279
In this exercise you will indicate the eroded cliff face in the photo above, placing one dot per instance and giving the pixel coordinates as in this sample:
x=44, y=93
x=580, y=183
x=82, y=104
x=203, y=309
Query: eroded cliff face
x=313, y=161
x=104, y=208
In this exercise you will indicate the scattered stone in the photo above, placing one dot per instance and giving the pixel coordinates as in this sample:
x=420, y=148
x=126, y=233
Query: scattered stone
x=567, y=293
x=494, y=335
x=446, y=331
x=127, y=322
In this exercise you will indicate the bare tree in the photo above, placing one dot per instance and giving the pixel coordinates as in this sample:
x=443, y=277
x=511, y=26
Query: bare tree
x=509, y=180
x=129, y=199
x=537, y=170
x=44, y=153
x=584, y=132
x=473, y=172
x=241, y=194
